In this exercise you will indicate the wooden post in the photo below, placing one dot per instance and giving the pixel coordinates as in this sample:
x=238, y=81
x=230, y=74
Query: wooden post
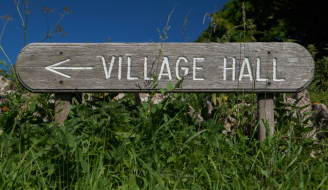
x=265, y=109
x=137, y=98
x=66, y=98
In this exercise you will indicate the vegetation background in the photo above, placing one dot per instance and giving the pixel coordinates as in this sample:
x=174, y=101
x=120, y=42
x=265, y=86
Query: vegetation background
x=107, y=143
x=300, y=21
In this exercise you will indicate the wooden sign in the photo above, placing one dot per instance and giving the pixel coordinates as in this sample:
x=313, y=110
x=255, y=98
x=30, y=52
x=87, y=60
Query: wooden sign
x=130, y=67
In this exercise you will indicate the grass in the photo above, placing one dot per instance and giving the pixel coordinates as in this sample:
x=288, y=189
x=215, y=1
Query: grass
x=318, y=96
x=122, y=145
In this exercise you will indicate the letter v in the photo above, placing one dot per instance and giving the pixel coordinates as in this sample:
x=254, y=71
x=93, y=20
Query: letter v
x=107, y=73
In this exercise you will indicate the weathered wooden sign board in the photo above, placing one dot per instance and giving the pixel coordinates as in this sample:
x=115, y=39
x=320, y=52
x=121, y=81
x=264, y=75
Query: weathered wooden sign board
x=129, y=67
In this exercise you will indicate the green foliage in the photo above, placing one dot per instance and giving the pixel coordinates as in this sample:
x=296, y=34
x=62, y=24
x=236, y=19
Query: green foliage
x=318, y=96
x=107, y=144
x=291, y=119
x=321, y=76
x=318, y=89
x=272, y=21
x=277, y=20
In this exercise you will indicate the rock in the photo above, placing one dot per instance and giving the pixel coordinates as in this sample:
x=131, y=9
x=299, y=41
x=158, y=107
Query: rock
x=321, y=112
x=4, y=85
x=210, y=105
x=158, y=97
x=312, y=154
x=289, y=100
x=304, y=101
x=141, y=97
x=119, y=96
x=320, y=118
x=210, y=113
x=229, y=125
x=192, y=112
x=144, y=97
x=4, y=89
x=45, y=118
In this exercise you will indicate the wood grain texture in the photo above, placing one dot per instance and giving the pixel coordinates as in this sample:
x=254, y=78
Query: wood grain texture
x=294, y=64
x=63, y=109
x=265, y=109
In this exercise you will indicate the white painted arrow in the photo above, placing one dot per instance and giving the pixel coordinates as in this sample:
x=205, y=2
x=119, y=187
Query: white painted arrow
x=53, y=67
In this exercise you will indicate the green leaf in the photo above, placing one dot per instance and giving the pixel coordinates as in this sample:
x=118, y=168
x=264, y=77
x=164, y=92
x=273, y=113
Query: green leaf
x=193, y=136
x=133, y=182
x=163, y=91
x=165, y=118
x=204, y=112
x=305, y=106
x=182, y=156
x=84, y=166
x=170, y=159
x=59, y=111
x=142, y=113
x=156, y=157
x=292, y=162
x=170, y=86
x=33, y=106
x=265, y=172
x=307, y=129
x=76, y=101
x=126, y=119
x=322, y=182
x=160, y=105
x=214, y=98
x=307, y=119
x=70, y=139
x=308, y=113
x=86, y=96
x=145, y=105
x=153, y=109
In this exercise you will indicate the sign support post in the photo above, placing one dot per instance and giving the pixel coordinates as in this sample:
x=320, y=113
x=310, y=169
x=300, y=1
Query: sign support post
x=265, y=109
x=62, y=104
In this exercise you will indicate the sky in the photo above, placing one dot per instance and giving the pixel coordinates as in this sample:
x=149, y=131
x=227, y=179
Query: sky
x=120, y=20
